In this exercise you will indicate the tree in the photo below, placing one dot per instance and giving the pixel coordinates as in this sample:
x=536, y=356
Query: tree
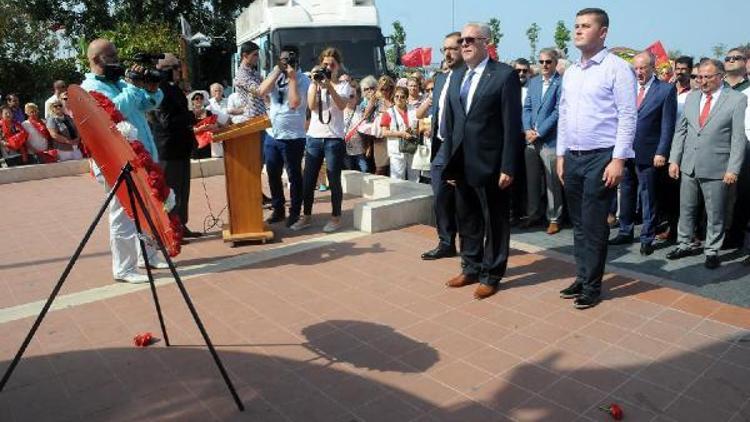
x=495, y=34
x=28, y=63
x=562, y=37
x=674, y=54
x=533, y=34
x=398, y=45
x=719, y=50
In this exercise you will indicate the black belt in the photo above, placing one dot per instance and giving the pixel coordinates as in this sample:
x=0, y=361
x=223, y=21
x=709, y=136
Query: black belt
x=588, y=151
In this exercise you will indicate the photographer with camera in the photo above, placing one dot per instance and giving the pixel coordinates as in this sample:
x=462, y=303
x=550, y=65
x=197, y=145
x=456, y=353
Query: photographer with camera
x=133, y=98
x=325, y=136
x=287, y=87
x=172, y=123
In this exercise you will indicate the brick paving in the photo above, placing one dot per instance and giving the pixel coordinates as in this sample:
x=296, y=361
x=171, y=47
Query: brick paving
x=355, y=330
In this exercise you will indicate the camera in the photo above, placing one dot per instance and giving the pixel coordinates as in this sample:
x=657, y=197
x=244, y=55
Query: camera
x=149, y=74
x=290, y=59
x=321, y=74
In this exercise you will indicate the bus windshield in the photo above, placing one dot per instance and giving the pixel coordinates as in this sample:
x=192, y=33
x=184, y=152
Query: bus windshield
x=361, y=47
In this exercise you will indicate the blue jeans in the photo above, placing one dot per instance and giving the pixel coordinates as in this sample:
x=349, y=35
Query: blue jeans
x=280, y=153
x=356, y=162
x=333, y=151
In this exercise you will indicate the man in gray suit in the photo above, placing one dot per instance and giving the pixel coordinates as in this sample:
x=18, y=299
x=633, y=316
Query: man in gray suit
x=707, y=152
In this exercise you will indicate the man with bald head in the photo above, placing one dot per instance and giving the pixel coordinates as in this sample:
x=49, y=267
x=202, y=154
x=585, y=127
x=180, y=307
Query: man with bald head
x=483, y=148
x=133, y=100
x=656, y=102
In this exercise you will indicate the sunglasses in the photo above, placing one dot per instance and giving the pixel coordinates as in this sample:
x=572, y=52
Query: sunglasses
x=522, y=70
x=470, y=40
x=399, y=97
x=733, y=59
x=693, y=76
x=706, y=77
x=56, y=105
x=444, y=49
x=428, y=89
x=546, y=61
x=369, y=88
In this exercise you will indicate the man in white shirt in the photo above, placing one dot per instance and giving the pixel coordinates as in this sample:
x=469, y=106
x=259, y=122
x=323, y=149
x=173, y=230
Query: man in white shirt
x=58, y=87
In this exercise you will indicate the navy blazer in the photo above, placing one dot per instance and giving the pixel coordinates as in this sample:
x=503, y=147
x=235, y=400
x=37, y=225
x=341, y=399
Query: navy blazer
x=541, y=113
x=437, y=88
x=656, y=122
x=487, y=140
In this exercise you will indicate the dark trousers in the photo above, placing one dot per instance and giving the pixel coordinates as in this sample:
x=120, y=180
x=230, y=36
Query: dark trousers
x=638, y=188
x=177, y=175
x=484, y=227
x=588, y=204
x=281, y=153
x=445, y=207
x=333, y=151
x=667, y=200
x=357, y=162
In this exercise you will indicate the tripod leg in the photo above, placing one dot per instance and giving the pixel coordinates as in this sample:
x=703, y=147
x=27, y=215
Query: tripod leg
x=144, y=253
x=189, y=303
x=58, y=286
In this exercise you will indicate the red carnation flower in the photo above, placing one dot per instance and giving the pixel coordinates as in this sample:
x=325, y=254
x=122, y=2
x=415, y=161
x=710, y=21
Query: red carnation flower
x=613, y=410
x=143, y=340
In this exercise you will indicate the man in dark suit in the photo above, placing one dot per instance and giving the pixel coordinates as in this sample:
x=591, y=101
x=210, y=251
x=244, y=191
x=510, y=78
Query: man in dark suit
x=656, y=102
x=445, y=197
x=483, y=145
x=540, y=130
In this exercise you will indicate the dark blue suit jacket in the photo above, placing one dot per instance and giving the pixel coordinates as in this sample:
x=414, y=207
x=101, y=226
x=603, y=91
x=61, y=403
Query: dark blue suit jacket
x=656, y=122
x=542, y=112
x=437, y=88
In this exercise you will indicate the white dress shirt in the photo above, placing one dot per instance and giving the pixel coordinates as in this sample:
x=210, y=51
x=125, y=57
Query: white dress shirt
x=645, y=87
x=747, y=115
x=441, y=104
x=714, y=98
x=475, y=81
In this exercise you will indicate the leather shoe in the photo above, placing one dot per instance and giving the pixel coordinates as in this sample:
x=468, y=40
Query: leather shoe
x=462, y=280
x=586, y=301
x=678, y=253
x=553, y=228
x=276, y=217
x=712, y=262
x=484, y=291
x=647, y=249
x=529, y=223
x=439, y=252
x=186, y=232
x=621, y=239
x=572, y=291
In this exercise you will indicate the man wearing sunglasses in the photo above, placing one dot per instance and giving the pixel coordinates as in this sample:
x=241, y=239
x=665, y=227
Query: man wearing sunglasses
x=595, y=133
x=445, y=197
x=287, y=88
x=483, y=147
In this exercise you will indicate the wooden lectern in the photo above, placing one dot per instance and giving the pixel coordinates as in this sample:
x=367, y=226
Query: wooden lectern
x=242, y=167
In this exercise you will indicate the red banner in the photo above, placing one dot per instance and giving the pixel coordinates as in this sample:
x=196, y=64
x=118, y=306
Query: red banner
x=418, y=57
x=657, y=49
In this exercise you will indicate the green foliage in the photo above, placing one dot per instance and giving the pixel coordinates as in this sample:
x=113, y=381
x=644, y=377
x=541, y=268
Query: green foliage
x=398, y=46
x=146, y=37
x=674, y=54
x=28, y=64
x=533, y=35
x=719, y=50
x=562, y=37
x=495, y=34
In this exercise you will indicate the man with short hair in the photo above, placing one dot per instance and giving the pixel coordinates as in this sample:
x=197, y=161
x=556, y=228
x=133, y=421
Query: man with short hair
x=444, y=193
x=594, y=138
x=287, y=87
x=707, y=153
x=58, y=87
x=16, y=110
x=483, y=147
x=133, y=100
x=657, y=106
x=683, y=67
x=518, y=189
x=734, y=65
x=540, y=113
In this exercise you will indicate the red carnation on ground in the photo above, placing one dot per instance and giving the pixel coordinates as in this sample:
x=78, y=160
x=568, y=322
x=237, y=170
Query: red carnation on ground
x=144, y=339
x=613, y=410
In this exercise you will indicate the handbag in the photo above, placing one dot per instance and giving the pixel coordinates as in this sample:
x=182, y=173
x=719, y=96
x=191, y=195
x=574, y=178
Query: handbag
x=421, y=160
x=405, y=146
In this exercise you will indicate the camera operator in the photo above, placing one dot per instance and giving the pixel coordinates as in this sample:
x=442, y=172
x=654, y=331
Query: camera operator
x=133, y=99
x=287, y=87
x=325, y=136
x=173, y=124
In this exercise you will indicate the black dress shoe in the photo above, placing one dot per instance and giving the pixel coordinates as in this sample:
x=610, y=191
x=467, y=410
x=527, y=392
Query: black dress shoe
x=678, y=253
x=529, y=223
x=291, y=220
x=586, y=301
x=276, y=217
x=712, y=262
x=647, y=249
x=621, y=239
x=439, y=252
x=186, y=232
x=572, y=291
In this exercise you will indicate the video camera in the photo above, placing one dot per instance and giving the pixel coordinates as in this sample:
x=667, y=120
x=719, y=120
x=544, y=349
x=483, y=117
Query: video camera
x=149, y=74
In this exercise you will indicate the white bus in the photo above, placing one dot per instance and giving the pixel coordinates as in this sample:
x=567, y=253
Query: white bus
x=352, y=26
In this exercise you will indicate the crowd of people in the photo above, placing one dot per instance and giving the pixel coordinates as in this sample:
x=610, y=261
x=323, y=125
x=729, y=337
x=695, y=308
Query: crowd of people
x=523, y=144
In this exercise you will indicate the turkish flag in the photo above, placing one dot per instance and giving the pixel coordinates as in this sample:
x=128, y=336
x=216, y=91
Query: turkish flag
x=492, y=51
x=414, y=58
x=657, y=49
x=426, y=56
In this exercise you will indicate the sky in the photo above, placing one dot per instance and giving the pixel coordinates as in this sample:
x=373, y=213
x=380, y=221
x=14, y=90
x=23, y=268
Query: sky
x=633, y=23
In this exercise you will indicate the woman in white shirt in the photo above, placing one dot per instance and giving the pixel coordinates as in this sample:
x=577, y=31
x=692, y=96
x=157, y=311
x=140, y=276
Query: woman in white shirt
x=399, y=123
x=325, y=137
x=38, y=140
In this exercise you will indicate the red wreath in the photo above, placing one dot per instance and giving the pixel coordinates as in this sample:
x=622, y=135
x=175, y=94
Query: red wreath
x=203, y=135
x=108, y=106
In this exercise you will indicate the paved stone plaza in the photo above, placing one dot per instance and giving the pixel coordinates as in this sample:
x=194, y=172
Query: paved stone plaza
x=355, y=327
